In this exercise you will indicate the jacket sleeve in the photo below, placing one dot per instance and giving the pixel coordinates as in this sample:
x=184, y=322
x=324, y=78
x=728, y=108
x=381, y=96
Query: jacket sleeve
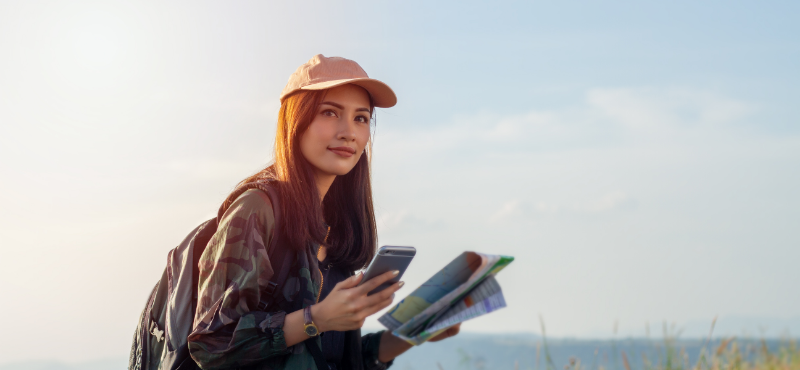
x=370, y=344
x=229, y=331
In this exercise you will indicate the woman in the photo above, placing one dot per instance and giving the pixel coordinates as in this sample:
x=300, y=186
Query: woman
x=321, y=173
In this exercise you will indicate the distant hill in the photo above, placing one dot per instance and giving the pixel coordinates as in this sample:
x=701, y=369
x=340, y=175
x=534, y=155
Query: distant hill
x=528, y=351
x=490, y=351
x=104, y=364
x=745, y=326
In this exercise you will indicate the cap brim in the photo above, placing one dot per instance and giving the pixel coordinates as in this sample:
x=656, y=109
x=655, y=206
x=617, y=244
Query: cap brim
x=382, y=95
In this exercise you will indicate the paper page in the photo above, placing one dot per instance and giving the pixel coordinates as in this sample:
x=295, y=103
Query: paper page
x=408, y=319
x=443, y=282
x=481, y=291
x=418, y=322
x=486, y=297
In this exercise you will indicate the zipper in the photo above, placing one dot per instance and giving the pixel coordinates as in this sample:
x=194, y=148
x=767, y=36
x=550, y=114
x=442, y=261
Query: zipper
x=322, y=277
x=321, y=283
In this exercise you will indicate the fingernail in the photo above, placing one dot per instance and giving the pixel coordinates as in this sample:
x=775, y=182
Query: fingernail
x=395, y=272
x=400, y=285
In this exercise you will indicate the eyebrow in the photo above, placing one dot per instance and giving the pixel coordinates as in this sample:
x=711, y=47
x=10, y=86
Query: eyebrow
x=337, y=105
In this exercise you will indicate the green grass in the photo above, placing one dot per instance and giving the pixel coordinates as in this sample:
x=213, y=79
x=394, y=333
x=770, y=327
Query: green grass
x=728, y=354
x=670, y=353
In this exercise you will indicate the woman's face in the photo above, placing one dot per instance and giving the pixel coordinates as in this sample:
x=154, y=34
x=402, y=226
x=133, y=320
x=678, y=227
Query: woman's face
x=336, y=138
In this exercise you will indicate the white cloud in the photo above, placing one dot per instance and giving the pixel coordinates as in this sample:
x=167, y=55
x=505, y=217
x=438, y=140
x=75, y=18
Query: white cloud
x=608, y=202
x=520, y=209
x=648, y=108
x=407, y=222
x=607, y=116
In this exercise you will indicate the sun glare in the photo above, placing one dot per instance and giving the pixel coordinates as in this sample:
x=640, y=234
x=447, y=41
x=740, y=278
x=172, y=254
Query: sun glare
x=93, y=51
x=96, y=46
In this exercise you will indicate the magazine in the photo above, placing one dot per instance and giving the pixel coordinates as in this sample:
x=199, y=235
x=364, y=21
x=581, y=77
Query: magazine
x=462, y=290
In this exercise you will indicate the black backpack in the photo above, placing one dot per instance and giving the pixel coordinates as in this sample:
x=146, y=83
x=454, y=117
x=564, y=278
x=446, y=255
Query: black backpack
x=160, y=340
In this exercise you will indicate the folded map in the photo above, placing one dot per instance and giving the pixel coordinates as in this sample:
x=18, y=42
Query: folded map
x=462, y=290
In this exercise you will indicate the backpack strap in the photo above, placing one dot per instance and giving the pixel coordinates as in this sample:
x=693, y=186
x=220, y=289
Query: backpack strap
x=201, y=239
x=280, y=257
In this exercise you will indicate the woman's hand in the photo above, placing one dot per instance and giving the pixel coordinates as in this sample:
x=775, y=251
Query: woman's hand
x=347, y=305
x=450, y=332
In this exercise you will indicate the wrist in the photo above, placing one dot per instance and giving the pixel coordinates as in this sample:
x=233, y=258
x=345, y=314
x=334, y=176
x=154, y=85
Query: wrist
x=316, y=317
x=391, y=347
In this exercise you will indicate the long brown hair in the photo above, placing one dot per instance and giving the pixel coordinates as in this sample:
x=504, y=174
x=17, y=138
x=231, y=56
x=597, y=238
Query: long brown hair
x=347, y=207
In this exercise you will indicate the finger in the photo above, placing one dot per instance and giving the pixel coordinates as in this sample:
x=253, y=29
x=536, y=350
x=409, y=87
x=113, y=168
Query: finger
x=387, y=293
x=376, y=305
x=350, y=282
x=388, y=301
x=376, y=281
x=371, y=310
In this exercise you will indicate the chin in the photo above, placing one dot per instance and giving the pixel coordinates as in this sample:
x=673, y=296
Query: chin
x=342, y=172
x=338, y=171
x=335, y=167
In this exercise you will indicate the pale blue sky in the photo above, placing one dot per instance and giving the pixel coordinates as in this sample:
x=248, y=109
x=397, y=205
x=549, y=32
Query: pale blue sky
x=641, y=160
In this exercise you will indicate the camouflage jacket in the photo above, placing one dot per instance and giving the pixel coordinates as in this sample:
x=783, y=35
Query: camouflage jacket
x=229, y=331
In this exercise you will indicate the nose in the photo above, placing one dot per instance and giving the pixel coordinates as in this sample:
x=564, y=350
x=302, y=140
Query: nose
x=347, y=130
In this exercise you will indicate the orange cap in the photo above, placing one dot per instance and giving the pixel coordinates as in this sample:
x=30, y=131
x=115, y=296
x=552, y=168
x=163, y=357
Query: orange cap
x=322, y=73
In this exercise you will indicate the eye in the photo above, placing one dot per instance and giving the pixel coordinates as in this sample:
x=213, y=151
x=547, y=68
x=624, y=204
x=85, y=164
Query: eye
x=362, y=119
x=328, y=112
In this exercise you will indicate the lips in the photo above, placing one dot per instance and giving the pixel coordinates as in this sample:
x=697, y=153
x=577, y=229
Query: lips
x=344, y=151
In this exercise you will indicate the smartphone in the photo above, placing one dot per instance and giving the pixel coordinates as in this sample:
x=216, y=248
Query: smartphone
x=388, y=258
